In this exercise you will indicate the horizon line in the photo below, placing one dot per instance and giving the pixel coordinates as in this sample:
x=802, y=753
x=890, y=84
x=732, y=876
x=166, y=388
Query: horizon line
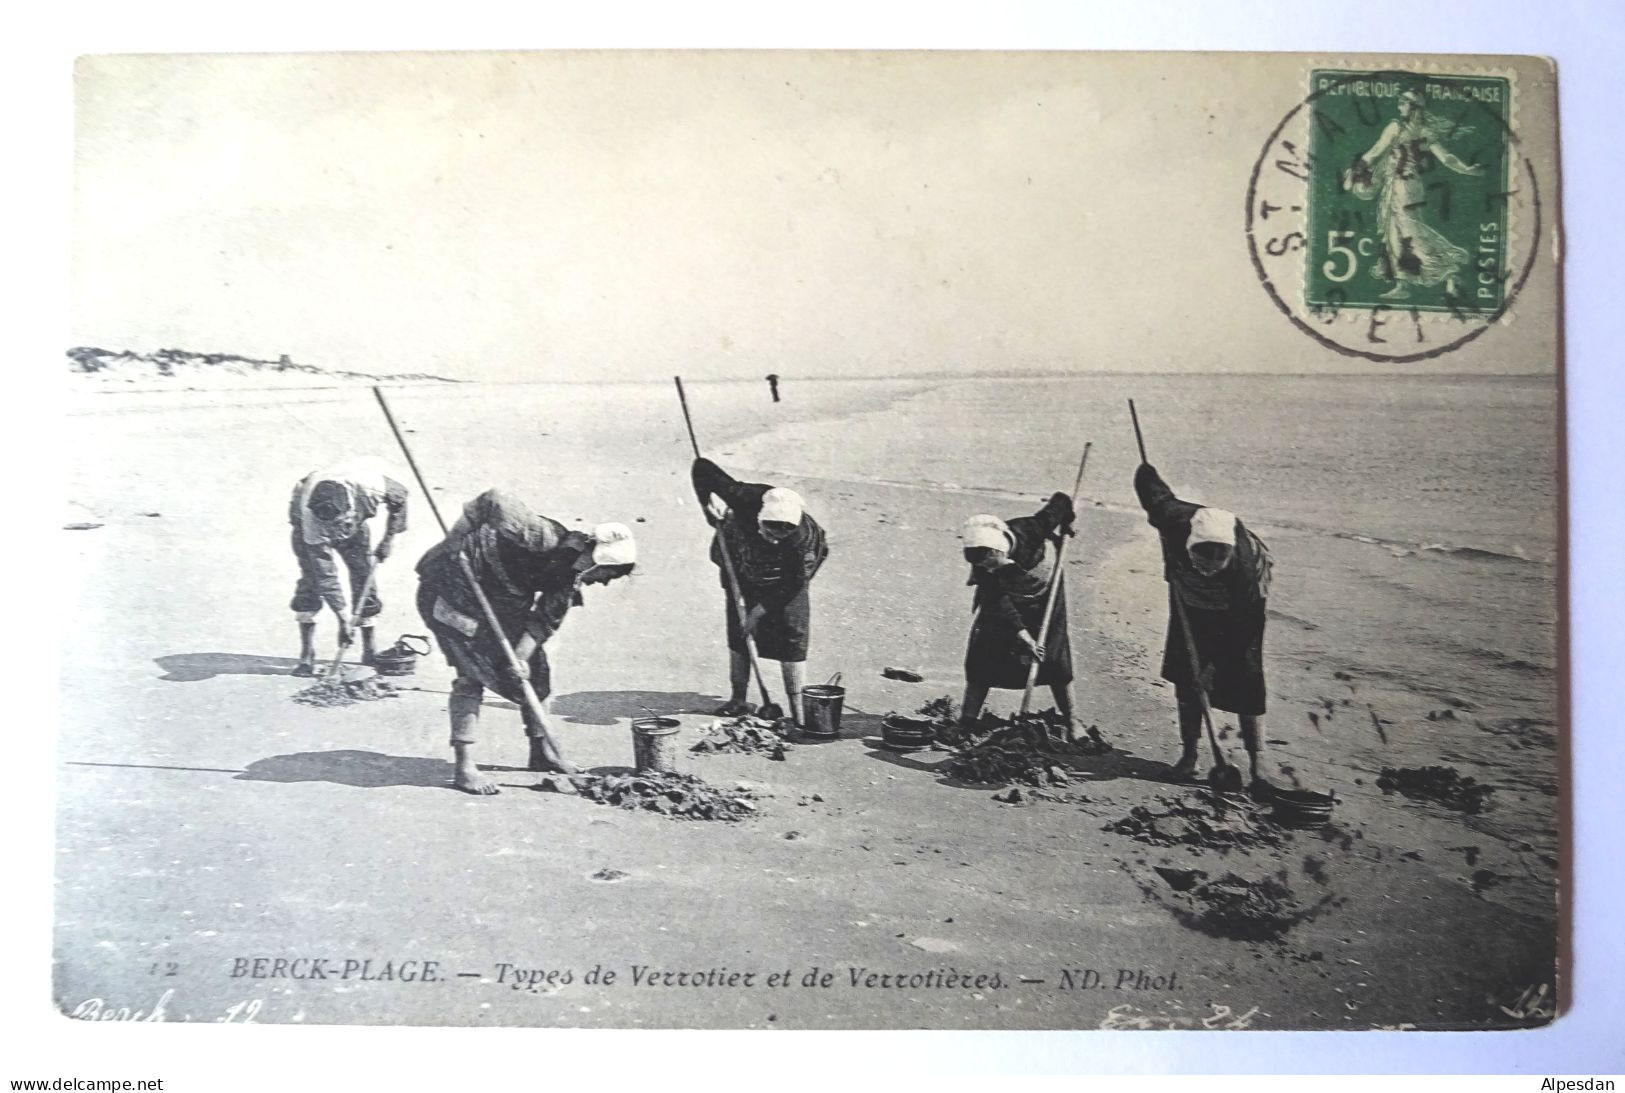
x=1023, y=374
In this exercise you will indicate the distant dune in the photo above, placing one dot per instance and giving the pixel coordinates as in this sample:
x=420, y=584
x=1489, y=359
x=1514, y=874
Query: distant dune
x=184, y=370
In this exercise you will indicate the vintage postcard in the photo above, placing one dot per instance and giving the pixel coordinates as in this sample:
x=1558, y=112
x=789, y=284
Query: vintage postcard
x=814, y=540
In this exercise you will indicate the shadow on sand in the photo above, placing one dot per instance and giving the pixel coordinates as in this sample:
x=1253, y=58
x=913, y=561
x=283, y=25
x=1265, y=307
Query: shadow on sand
x=855, y=725
x=1117, y=764
x=1107, y=767
x=361, y=769
x=608, y=707
x=374, y=770
x=191, y=667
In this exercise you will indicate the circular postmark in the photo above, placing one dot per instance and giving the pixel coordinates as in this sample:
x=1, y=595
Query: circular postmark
x=1392, y=215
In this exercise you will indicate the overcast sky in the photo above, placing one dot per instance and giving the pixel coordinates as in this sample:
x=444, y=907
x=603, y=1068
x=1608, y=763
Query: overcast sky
x=493, y=216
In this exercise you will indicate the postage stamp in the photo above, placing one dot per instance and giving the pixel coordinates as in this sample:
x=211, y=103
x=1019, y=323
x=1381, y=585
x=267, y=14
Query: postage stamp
x=1390, y=214
x=1416, y=215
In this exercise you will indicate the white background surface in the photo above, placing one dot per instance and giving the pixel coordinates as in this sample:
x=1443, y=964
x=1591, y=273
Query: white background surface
x=1585, y=39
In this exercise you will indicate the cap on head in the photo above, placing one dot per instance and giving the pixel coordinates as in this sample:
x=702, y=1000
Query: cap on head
x=328, y=499
x=781, y=506
x=613, y=545
x=1212, y=526
x=987, y=531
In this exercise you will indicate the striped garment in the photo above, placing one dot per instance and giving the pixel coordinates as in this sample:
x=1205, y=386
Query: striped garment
x=366, y=485
x=772, y=572
x=524, y=562
x=1243, y=583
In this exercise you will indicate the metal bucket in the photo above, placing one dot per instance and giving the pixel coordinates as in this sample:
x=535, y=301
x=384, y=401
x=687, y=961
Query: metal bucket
x=654, y=743
x=821, y=709
x=899, y=733
x=400, y=659
x=1301, y=808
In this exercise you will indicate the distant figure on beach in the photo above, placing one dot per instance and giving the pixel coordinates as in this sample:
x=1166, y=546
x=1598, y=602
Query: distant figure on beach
x=1011, y=564
x=532, y=570
x=1221, y=573
x=776, y=549
x=773, y=385
x=331, y=512
x=1390, y=172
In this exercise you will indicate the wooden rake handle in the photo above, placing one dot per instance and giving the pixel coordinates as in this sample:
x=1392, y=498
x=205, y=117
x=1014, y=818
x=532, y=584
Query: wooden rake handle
x=1054, y=586
x=532, y=704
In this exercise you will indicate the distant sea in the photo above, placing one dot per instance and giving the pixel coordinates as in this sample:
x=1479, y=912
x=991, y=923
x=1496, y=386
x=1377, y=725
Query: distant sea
x=1413, y=520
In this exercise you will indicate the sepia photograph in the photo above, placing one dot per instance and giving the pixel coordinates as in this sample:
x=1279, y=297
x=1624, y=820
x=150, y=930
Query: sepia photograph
x=814, y=540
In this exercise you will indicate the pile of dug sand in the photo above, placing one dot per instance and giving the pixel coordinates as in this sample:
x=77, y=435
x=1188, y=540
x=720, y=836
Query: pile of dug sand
x=1443, y=785
x=336, y=692
x=1031, y=749
x=1235, y=907
x=680, y=796
x=745, y=736
x=1199, y=819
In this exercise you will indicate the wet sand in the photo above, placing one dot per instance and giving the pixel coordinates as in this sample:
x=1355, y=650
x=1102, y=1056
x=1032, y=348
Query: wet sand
x=205, y=819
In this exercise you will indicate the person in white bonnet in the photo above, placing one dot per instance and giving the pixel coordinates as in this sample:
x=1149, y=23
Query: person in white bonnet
x=532, y=570
x=1010, y=568
x=1221, y=573
x=776, y=548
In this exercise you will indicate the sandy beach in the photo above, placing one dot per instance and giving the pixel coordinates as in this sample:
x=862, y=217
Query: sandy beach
x=206, y=821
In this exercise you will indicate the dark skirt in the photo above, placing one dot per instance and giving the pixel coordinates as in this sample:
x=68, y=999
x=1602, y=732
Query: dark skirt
x=1230, y=646
x=481, y=657
x=995, y=657
x=782, y=634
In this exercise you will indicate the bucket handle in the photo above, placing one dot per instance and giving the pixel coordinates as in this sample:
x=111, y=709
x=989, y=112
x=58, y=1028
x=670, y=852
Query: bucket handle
x=404, y=641
x=834, y=680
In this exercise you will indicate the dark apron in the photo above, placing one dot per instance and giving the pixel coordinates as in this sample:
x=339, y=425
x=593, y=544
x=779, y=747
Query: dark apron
x=1230, y=645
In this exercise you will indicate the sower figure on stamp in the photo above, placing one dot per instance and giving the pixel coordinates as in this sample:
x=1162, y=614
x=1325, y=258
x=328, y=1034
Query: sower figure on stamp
x=776, y=549
x=1010, y=569
x=1392, y=172
x=531, y=569
x=1220, y=573
x=331, y=513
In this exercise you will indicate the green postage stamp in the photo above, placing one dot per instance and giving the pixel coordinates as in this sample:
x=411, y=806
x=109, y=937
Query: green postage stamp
x=1408, y=191
x=1394, y=214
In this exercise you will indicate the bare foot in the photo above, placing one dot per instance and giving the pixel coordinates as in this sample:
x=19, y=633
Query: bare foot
x=304, y=669
x=474, y=782
x=1184, y=770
